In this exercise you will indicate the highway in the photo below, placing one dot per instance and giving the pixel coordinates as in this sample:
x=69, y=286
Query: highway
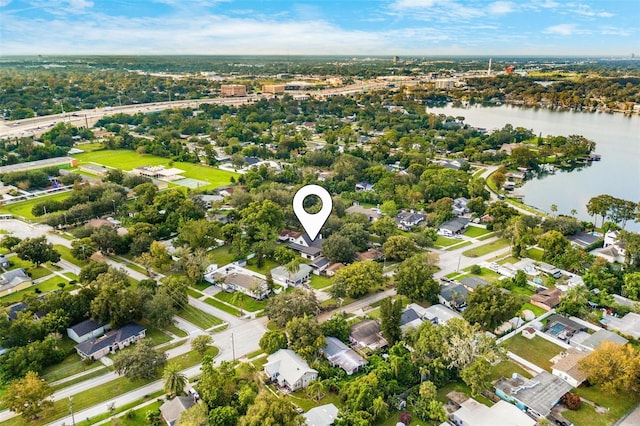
x=35, y=126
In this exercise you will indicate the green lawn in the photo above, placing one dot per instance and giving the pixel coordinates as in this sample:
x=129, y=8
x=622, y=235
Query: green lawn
x=475, y=231
x=138, y=417
x=69, y=366
x=486, y=248
x=459, y=246
x=267, y=265
x=177, y=331
x=533, y=308
x=128, y=160
x=319, y=282
x=222, y=306
x=221, y=256
x=506, y=368
x=486, y=236
x=460, y=387
x=23, y=208
x=301, y=399
x=537, y=350
x=535, y=253
x=445, y=242
x=198, y=318
x=65, y=253
x=247, y=303
x=618, y=405
x=193, y=293
x=158, y=337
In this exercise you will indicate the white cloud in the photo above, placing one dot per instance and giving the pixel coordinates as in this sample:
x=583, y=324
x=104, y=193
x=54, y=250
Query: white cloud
x=413, y=4
x=587, y=11
x=80, y=4
x=501, y=8
x=4, y=3
x=562, y=29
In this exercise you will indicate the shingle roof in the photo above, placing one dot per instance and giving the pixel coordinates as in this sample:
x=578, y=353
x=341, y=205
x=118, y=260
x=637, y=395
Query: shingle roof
x=540, y=393
x=603, y=336
x=172, y=409
x=92, y=346
x=85, y=327
x=455, y=225
x=569, y=365
x=341, y=355
x=408, y=316
x=367, y=332
x=473, y=282
x=324, y=415
x=13, y=278
x=290, y=366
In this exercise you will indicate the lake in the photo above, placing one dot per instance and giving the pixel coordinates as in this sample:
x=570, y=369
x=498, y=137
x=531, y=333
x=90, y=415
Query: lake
x=617, y=139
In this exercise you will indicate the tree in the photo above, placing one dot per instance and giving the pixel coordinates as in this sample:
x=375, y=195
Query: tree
x=379, y=409
x=390, y=313
x=384, y=228
x=574, y=301
x=389, y=208
x=9, y=242
x=477, y=376
x=174, y=379
x=224, y=416
x=316, y=390
x=599, y=206
x=398, y=247
x=272, y=341
x=142, y=362
x=614, y=367
x=83, y=248
x=196, y=416
x=200, y=233
x=572, y=401
x=28, y=396
x=338, y=249
x=336, y=326
x=428, y=390
x=414, y=279
x=357, y=279
x=288, y=305
x=269, y=410
x=201, y=343
x=305, y=336
x=357, y=234
x=489, y=306
x=37, y=250
x=91, y=271
x=554, y=245
x=631, y=287
x=159, y=309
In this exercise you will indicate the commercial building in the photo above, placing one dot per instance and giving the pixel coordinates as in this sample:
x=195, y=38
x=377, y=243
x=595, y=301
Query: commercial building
x=229, y=90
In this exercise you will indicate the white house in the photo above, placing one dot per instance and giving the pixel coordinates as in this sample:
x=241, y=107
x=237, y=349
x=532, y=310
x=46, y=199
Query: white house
x=289, y=370
x=282, y=276
x=111, y=342
x=87, y=329
x=612, y=251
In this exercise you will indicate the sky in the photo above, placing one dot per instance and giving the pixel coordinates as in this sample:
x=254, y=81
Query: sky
x=321, y=27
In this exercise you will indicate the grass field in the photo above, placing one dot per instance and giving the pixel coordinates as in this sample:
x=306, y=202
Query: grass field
x=475, y=231
x=247, y=304
x=23, y=208
x=220, y=256
x=69, y=366
x=445, y=242
x=459, y=246
x=198, y=318
x=128, y=160
x=618, y=405
x=535, y=253
x=537, y=350
x=486, y=248
x=533, y=308
x=506, y=368
x=222, y=306
x=319, y=282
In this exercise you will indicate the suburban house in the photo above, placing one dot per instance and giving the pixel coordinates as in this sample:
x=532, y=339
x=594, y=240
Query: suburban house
x=562, y=328
x=288, y=235
x=473, y=413
x=333, y=268
x=583, y=239
x=14, y=280
x=410, y=319
x=289, y=370
x=547, y=299
x=407, y=220
x=453, y=296
x=453, y=227
x=613, y=251
x=550, y=270
x=595, y=340
x=301, y=276
x=87, y=329
x=324, y=415
x=437, y=314
x=568, y=369
x=536, y=396
x=367, y=335
x=628, y=325
x=371, y=214
x=308, y=248
x=371, y=254
x=364, y=187
x=471, y=282
x=319, y=265
x=250, y=285
x=209, y=200
x=4, y=262
x=341, y=355
x=460, y=206
x=173, y=408
x=111, y=342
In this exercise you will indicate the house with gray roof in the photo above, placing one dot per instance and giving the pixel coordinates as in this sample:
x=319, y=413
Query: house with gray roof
x=308, y=248
x=292, y=279
x=14, y=280
x=453, y=296
x=536, y=396
x=367, y=334
x=323, y=415
x=453, y=227
x=471, y=282
x=407, y=220
x=289, y=370
x=341, y=355
x=371, y=214
x=628, y=325
x=87, y=329
x=173, y=408
x=595, y=340
x=232, y=280
x=111, y=342
x=473, y=413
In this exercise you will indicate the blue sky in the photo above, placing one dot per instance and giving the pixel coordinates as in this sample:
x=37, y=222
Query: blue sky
x=347, y=27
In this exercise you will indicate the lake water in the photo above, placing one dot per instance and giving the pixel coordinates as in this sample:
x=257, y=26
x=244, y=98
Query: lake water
x=617, y=139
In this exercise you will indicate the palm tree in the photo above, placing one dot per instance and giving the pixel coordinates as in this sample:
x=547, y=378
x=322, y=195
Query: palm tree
x=574, y=212
x=316, y=390
x=379, y=408
x=293, y=266
x=237, y=298
x=174, y=379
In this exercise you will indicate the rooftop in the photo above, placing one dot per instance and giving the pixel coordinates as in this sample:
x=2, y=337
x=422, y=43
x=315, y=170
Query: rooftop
x=540, y=393
x=473, y=413
x=323, y=415
x=594, y=341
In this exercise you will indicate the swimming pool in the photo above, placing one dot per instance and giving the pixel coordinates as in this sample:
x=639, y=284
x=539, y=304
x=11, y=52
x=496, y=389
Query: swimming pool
x=555, y=329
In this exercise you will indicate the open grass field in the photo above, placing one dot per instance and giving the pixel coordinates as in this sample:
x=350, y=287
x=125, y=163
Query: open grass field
x=220, y=256
x=535, y=253
x=486, y=248
x=475, y=231
x=319, y=282
x=222, y=306
x=128, y=160
x=246, y=304
x=69, y=366
x=537, y=350
x=23, y=208
x=618, y=405
x=445, y=242
x=198, y=318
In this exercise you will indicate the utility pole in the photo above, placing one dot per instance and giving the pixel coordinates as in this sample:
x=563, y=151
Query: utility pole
x=233, y=347
x=73, y=420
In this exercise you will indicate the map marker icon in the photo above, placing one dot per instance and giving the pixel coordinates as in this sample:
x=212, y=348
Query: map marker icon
x=312, y=223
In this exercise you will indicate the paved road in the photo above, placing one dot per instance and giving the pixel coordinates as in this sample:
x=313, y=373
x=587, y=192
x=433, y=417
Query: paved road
x=358, y=304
